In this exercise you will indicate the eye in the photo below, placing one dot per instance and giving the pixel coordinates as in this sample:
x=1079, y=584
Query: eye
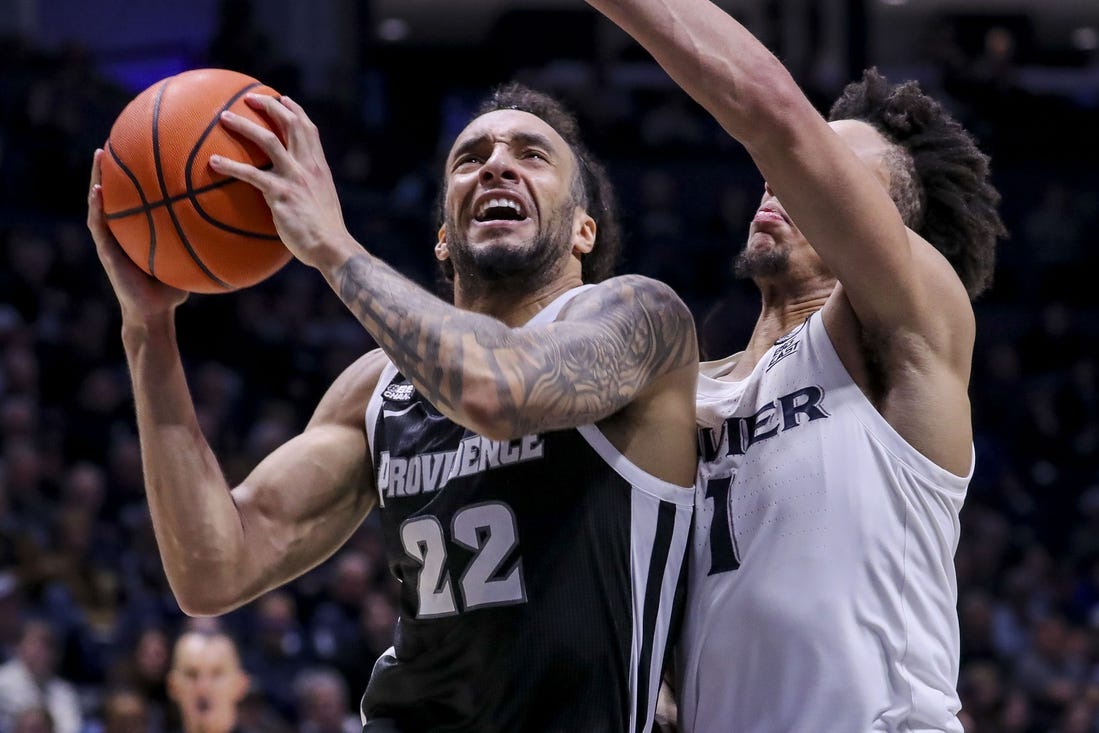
x=468, y=159
x=535, y=155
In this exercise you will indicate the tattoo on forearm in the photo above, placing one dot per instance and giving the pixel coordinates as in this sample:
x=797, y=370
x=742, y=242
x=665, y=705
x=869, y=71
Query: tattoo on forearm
x=621, y=336
x=405, y=320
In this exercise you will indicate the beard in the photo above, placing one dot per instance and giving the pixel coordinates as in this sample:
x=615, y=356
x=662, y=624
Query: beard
x=531, y=262
x=755, y=263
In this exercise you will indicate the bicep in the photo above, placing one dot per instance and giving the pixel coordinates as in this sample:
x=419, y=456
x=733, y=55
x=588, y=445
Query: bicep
x=302, y=501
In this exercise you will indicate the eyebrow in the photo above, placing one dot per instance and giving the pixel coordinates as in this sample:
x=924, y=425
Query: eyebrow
x=521, y=139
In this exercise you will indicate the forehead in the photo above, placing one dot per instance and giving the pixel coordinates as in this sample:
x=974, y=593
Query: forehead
x=198, y=651
x=866, y=142
x=508, y=125
x=862, y=137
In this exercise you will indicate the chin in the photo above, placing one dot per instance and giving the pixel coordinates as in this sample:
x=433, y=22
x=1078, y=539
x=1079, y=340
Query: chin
x=760, y=262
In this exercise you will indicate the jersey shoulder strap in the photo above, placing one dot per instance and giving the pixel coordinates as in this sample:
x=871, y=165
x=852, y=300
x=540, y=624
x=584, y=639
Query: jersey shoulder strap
x=550, y=312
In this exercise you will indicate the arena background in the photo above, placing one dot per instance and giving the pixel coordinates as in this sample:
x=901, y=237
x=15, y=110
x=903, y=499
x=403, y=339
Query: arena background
x=388, y=83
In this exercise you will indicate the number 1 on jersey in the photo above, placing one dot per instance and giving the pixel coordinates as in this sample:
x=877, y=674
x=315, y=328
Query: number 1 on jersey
x=723, y=554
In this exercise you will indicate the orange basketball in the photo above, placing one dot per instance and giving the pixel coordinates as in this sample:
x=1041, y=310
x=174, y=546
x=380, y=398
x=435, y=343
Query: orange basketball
x=181, y=222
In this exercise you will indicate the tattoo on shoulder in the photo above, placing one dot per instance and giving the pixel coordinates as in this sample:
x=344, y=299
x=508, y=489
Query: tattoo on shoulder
x=612, y=341
x=627, y=332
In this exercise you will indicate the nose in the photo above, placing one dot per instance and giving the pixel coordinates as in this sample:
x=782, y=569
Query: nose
x=499, y=165
x=767, y=189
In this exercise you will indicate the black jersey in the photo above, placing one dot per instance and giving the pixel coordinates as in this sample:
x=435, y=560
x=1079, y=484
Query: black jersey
x=540, y=577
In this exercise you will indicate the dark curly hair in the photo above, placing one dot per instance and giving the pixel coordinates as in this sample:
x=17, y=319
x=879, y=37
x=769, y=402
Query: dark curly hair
x=940, y=182
x=595, y=194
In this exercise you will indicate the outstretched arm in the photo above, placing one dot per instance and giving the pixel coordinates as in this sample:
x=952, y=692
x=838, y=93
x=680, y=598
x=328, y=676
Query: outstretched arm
x=893, y=279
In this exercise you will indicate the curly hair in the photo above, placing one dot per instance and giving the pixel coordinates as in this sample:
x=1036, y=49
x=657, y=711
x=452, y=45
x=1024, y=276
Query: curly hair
x=941, y=181
x=593, y=187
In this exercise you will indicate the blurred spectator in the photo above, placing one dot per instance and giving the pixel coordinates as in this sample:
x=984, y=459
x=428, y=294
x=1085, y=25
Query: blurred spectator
x=1047, y=672
x=275, y=648
x=29, y=681
x=323, y=702
x=376, y=621
x=126, y=711
x=11, y=611
x=335, y=621
x=33, y=720
x=975, y=618
x=1015, y=715
x=996, y=67
x=206, y=681
x=144, y=669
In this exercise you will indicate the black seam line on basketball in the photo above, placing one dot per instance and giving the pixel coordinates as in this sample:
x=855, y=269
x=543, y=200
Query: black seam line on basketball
x=141, y=195
x=164, y=191
x=148, y=206
x=191, y=162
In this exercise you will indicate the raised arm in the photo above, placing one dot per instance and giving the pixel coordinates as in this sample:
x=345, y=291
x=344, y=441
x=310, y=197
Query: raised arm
x=893, y=279
x=221, y=547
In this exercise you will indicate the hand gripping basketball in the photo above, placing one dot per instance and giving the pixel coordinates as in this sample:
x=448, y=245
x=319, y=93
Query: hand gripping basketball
x=179, y=220
x=298, y=187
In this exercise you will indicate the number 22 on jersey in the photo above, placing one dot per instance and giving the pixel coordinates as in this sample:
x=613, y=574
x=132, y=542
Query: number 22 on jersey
x=489, y=531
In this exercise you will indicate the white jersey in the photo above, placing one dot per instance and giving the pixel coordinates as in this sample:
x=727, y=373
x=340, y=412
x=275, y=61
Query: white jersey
x=822, y=594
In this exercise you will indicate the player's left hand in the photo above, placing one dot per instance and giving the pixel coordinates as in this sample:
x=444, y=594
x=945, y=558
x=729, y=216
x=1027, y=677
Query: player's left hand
x=299, y=186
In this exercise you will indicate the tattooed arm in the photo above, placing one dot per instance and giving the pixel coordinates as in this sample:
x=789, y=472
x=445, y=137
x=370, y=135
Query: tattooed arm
x=611, y=344
x=623, y=354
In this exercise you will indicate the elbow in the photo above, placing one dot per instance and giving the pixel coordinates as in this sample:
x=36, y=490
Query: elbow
x=197, y=605
x=489, y=409
x=488, y=417
x=199, y=597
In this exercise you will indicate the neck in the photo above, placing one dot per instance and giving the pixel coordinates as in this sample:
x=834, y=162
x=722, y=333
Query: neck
x=512, y=303
x=785, y=306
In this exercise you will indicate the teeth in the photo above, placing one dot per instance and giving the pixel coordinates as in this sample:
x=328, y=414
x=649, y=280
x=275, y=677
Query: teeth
x=499, y=202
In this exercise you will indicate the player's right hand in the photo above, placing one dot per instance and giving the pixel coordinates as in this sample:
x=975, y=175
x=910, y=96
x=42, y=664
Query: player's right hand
x=139, y=294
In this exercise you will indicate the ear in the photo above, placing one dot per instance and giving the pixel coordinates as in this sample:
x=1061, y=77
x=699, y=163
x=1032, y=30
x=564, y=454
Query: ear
x=441, y=250
x=583, y=232
x=242, y=683
x=172, y=686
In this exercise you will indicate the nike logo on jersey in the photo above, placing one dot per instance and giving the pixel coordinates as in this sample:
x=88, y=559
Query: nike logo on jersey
x=428, y=472
x=737, y=434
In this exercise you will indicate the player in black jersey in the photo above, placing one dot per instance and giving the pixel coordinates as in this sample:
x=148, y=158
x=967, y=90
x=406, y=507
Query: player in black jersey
x=529, y=447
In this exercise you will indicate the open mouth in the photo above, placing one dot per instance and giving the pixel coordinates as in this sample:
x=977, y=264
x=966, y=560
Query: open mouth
x=499, y=209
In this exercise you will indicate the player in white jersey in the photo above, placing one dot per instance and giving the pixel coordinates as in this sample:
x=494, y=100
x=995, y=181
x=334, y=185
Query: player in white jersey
x=837, y=446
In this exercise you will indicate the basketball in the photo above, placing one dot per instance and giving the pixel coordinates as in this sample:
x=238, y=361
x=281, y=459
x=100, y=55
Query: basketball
x=177, y=219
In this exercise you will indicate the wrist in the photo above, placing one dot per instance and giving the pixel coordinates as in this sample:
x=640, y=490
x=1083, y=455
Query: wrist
x=335, y=256
x=142, y=328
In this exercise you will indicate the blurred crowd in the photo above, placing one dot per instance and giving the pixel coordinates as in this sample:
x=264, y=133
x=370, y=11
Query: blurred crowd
x=84, y=606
